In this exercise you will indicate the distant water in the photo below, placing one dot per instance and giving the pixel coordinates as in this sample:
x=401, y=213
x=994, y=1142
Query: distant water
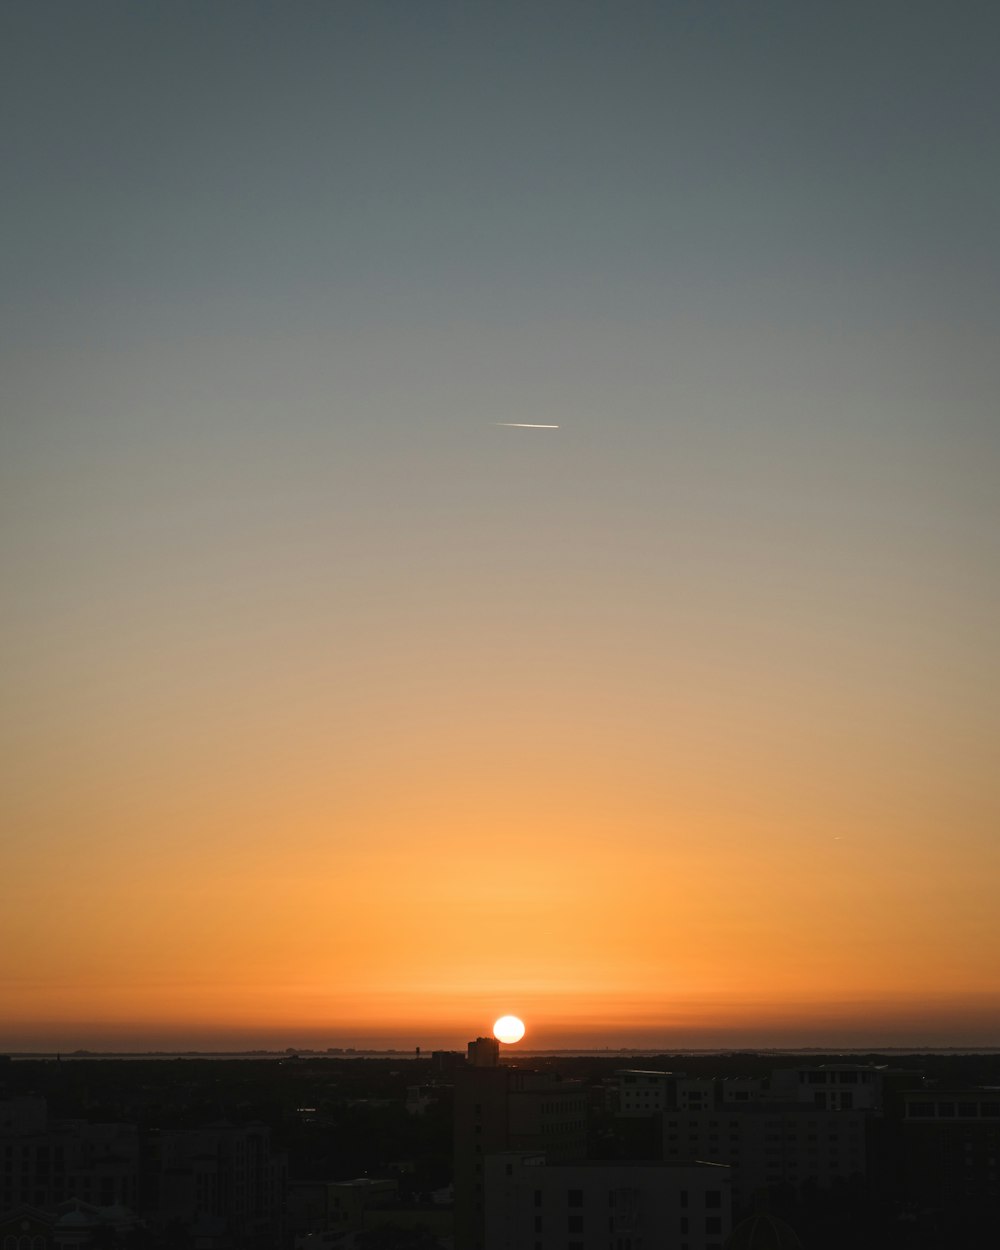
x=608, y=1053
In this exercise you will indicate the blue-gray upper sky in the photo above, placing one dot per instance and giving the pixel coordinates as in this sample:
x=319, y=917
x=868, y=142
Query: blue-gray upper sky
x=273, y=273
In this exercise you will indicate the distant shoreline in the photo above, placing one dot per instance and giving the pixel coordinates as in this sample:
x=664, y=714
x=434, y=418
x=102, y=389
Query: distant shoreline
x=292, y=1053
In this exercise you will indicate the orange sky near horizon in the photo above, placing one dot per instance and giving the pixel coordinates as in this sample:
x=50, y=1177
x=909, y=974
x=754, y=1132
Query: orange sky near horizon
x=249, y=815
x=292, y=900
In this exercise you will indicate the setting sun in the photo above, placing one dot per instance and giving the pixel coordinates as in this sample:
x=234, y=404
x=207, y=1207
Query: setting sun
x=508, y=1029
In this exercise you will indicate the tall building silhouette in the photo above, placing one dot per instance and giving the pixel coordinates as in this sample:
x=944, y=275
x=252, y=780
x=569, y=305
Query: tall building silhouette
x=500, y=1108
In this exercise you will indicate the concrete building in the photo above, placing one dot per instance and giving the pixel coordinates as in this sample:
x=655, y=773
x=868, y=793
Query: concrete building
x=737, y=1091
x=532, y=1204
x=498, y=1108
x=484, y=1052
x=222, y=1182
x=638, y=1092
x=831, y=1086
x=694, y=1093
x=45, y=1162
x=419, y=1098
x=72, y=1225
x=336, y=1207
x=950, y=1147
x=770, y=1145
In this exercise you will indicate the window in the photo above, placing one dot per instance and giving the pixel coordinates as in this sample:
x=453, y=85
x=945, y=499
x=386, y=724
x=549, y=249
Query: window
x=921, y=1108
x=538, y=1197
x=713, y=1198
x=574, y=1197
x=713, y=1224
x=574, y=1224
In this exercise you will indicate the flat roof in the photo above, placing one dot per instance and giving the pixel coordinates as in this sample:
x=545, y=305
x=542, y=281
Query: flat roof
x=572, y=1165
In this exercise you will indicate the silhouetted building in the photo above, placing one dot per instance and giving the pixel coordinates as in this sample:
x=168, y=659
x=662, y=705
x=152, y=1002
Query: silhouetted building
x=72, y=1225
x=419, y=1098
x=766, y=1144
x=638, y=1092
x=813, y=1123
x=336, y=1206
x=950, y=1147
x=695, y=1093
x=532, y=1204
x=46, y=1162
x=831, y=1086
x=221, y=1183
x=763, y=1231
x=484, y=1052
x=497, y=1109
x=737, y=1091
x=444, y=1063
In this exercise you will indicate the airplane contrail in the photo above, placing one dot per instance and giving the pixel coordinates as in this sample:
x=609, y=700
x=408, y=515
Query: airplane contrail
x=526, y=425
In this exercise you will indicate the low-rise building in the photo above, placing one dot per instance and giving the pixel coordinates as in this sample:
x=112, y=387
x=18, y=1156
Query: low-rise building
x=45, y=1162
x=500, y=1108
x=638, y=1092
x=532, y=1204
x=950, y=1147
x=221, y=1177
x=831, y=1086
x=337, y=1206
x=770, y=1145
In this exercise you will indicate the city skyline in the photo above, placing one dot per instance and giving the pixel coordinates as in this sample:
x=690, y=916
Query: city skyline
x=339, y=705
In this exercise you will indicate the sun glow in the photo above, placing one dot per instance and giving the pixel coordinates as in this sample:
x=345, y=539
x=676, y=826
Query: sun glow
x=508, y=1029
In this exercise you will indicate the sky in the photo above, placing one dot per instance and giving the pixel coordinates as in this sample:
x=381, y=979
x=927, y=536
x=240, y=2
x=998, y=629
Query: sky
x=335, y=710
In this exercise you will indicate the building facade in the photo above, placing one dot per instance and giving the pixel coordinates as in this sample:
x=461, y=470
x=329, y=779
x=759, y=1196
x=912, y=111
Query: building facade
x=532, y=1204
x=770, y=1145
x=498, y=1108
